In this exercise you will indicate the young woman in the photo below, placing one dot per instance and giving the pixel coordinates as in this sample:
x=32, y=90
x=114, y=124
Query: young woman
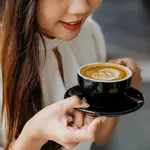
x=43, y=43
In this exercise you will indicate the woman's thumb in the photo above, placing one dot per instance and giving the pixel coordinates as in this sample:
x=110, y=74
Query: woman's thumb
x=75, y=102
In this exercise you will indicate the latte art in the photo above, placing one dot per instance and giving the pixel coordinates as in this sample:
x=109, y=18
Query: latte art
x=106, y=74
x=104, y=71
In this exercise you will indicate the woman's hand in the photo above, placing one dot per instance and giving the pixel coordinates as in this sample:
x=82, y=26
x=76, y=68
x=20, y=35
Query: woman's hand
x=106, y=129
x=132, y=65
x=52, y=123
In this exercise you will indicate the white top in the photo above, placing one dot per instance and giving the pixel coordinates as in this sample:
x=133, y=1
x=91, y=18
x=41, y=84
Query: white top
x=87, y=47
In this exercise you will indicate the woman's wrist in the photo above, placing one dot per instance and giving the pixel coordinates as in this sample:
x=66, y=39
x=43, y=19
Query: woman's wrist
x=24, y=142
x=27, y=133
x=27, y=141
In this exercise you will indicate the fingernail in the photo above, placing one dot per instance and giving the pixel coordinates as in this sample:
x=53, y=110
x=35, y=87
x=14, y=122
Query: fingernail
x=120, y=61
x=104, y=119
x=83, y=105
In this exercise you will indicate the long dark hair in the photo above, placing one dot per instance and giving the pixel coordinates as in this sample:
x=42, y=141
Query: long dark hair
x=22, y=92
x=1, y=7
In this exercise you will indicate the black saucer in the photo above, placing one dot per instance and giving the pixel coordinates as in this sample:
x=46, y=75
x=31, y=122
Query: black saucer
x=127, y=103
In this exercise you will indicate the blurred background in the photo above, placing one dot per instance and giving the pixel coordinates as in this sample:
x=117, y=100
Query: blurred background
x=126, y=27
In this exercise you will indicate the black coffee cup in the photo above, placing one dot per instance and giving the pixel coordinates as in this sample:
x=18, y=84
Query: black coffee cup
x=103, y=92
x=106, y=87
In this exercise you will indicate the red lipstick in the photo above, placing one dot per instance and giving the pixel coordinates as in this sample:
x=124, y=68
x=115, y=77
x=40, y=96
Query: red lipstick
x=74, y=25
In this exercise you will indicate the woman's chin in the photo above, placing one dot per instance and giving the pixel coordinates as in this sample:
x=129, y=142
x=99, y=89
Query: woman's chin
x=68, y=36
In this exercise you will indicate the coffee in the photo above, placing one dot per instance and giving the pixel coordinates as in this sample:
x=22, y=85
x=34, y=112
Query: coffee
x=104, y=71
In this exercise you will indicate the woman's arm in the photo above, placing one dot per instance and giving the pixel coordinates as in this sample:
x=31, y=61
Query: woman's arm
x=51, y=123
x=26, y=142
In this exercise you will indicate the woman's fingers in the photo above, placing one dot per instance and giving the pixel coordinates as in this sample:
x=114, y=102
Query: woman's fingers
x=78, y=117
x=94, y=126
x=86, y=133
x=72, y=125
x=73, y=102
x=136, y=81
x=128, y=62
x=89, y=119
x=132, y=65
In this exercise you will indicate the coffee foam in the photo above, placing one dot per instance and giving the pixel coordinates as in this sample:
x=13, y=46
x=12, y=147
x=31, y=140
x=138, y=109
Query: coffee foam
x=105, y=72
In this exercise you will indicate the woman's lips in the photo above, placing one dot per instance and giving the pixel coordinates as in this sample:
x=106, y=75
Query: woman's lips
x=71, y=25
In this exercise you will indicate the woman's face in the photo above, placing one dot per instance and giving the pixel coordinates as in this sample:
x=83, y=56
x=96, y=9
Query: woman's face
x=63, y=19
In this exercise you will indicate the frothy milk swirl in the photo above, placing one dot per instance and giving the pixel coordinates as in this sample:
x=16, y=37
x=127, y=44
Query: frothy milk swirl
x=106, y=74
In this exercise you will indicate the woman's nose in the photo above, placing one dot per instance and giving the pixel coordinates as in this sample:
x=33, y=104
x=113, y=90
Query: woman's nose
x=79, y=7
